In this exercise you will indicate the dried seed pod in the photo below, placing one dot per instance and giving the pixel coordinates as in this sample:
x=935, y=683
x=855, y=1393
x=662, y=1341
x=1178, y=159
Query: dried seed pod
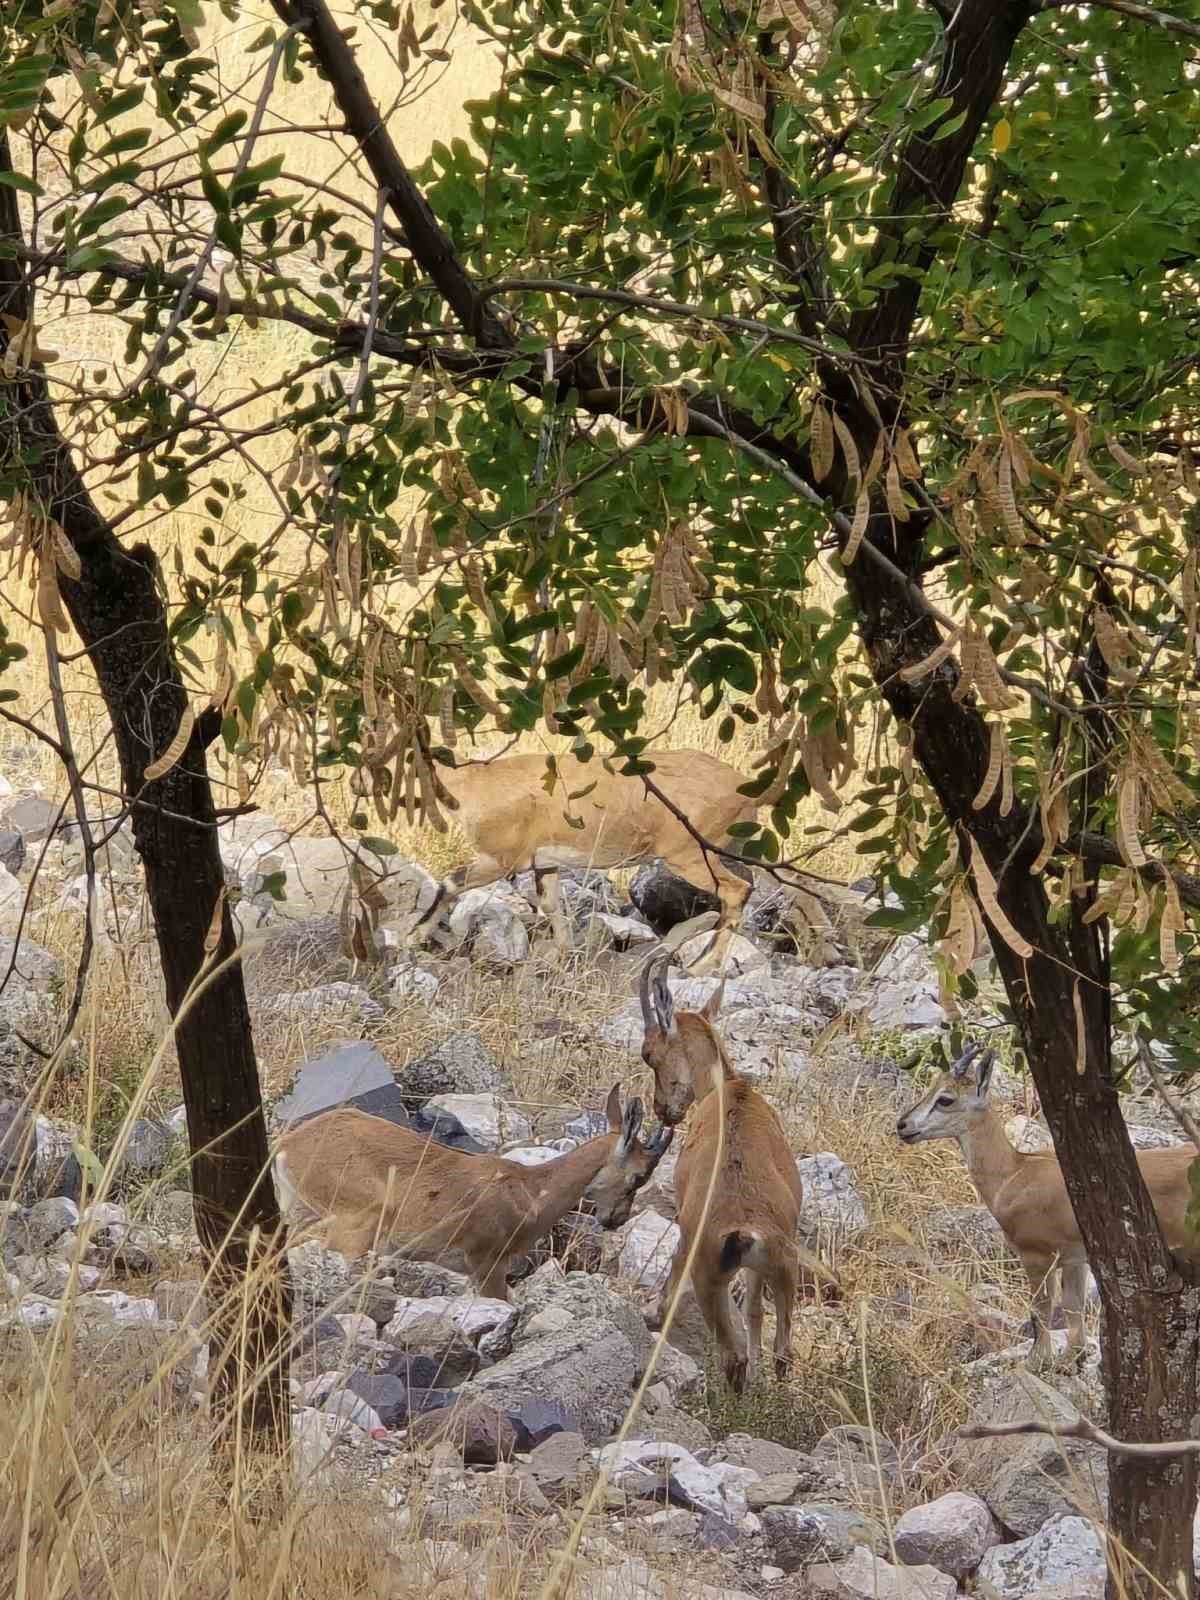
x=849, y=449
x=960, y=944
x=51, y=611
x=1171, y=924
x=1007, y=497
x=858, y=527
x=821, y=442
x=65, y=556
x=1129, y=799
x=906, y=455
x=895, y=497
x=985, y=885
x=159, y=767
x=931, y=662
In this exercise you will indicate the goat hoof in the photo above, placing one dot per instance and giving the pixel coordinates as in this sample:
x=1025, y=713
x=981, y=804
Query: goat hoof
x=735, y=1375
x=783, y=1368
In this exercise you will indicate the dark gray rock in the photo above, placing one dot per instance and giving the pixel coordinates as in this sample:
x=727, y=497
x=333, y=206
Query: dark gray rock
x=461, y=1064
x=559, y=1465
x=12, y=850
x=394, y=1401
x=816, y=1531
x=537, y=1420
x=37, y=1159
x=483, y=1433
x=333, y=1079
x=666, y=900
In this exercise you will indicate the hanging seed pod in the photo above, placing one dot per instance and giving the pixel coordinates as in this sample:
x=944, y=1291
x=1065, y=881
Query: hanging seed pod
x=1129, y=799
x=960, y=944
x=849, y=449
x=985, y=885
x=173, y=753
x=930, y=663
x=821, y=443
x=446, y=722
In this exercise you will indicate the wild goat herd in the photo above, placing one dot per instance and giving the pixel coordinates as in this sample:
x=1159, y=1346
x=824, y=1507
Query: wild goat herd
x=373, y=1185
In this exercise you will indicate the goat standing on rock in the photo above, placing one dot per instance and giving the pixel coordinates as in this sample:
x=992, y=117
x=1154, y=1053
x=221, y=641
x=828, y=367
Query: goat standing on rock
x=1027, y=1194
x=380, y=1186
x=737, y=1190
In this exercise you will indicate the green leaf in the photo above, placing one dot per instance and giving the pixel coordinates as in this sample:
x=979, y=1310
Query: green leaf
x=378, y=846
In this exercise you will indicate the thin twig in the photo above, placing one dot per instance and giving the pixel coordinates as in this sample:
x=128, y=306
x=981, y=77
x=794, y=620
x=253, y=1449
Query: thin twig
x=1140, y=13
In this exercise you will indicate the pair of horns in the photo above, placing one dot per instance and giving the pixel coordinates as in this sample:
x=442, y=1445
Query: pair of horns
x=971, y=1057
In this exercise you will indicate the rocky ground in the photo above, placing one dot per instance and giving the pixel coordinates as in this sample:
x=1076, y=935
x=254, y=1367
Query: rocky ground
x=461, y=1425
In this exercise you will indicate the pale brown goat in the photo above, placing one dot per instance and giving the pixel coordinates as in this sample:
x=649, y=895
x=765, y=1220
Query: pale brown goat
x=593, y=817
x=737, y=1189
x=379, y=1186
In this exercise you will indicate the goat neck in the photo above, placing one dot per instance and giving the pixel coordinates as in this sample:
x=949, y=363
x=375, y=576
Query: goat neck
x=556, y=1187
x=989, y=1153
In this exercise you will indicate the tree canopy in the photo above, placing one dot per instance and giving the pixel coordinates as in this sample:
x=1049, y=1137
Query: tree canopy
x=835, y=365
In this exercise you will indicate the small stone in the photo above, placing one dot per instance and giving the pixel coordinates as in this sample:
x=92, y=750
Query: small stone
x=779, y=1489
x=559, y=1466
x=816, y=1531
x=48, y=1220
x=12, y=850
x=952, y=1533
x=346, y=1407
x=148, y=1147
x=485, y=1117
x=870, y=1577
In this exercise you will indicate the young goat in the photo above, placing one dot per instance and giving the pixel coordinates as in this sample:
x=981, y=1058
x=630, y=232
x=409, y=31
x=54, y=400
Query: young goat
x=735, y=1146
x=1027, y=1195
x=380, y=1186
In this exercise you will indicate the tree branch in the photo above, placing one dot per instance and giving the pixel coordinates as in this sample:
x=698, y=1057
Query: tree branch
x=1095, y=847
x=1081, y=1428
x=1130, y=8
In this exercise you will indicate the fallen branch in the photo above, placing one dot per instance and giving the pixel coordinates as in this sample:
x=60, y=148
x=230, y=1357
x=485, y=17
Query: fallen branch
x=1081, y=1428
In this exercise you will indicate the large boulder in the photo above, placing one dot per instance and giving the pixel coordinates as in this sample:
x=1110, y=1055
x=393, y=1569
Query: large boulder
x=461, y=1064
x=647, y=1246
x=494, y=920
x=833, y=1207
x=490, y=1121
x=590, y=1368
x=1066, y=1550
x=332, y=1079
x=1028, y=1479
x=817, y=1530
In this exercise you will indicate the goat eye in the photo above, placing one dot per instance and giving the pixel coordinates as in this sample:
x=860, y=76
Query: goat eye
x=945, y=1100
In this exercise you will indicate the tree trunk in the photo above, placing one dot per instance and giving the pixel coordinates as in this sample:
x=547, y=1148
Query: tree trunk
x=117, y=611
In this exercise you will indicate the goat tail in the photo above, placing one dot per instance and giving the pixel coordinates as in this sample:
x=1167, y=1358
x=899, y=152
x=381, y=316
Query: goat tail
x=742, y=1247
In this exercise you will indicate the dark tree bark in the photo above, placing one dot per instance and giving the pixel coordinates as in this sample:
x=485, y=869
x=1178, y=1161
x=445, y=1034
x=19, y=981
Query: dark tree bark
x=117, y=610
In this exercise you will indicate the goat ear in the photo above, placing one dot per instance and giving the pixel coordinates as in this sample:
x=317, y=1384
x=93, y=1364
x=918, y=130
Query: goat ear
x=612, y=1108
x=712, y=1006
x=983, y=1074
x=959, y=1069
x=659, y=1141
x=631, y=1125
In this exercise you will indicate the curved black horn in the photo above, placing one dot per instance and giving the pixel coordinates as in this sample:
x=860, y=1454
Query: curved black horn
x=659, y=1141
x=644, y=994
x=958, y=1069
